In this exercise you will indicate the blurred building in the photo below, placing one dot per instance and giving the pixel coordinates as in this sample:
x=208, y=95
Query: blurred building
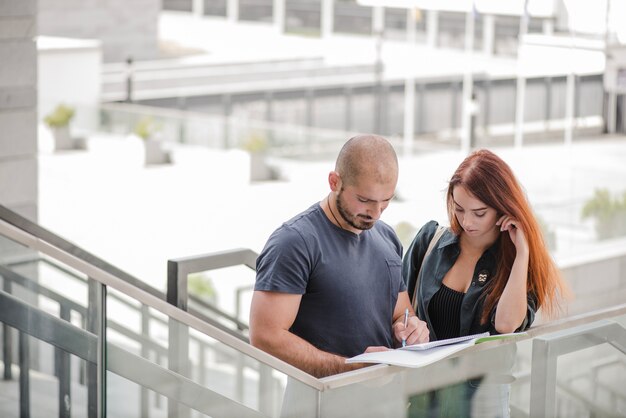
x=222, y=81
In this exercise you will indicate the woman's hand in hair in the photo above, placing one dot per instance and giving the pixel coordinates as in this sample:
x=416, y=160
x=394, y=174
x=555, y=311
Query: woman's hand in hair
x=507, y=223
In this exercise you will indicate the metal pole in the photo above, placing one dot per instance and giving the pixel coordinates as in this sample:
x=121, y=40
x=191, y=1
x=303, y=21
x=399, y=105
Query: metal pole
x=409, y=89
x=129, y=79
x=409, y=115
x=93, y=325
x=327, y=21
x=232, y=11
x=64, y=373
x=197, y=8
x=432, y=28
x=489, y=31
x=24, y=361
x=145, y=333
x=569, y=108
x=7, y=341
x=468, y=82
x=178, y=335
x=378, y=21
x=102, y=351
x=612, y=113
x=521, y=80
x=279, y=16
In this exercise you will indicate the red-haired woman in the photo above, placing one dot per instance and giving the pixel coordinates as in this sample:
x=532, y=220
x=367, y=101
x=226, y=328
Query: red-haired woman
x=490, y=270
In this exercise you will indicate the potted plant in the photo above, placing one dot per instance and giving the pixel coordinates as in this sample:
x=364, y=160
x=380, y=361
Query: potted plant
x=609, y=213
x=59, y=123
x=256, y=145
x=147, y=129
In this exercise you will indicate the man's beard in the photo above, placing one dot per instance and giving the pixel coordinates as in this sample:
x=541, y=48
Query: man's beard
x=351, y=219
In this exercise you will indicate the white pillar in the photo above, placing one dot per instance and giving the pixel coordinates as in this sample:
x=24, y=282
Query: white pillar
x=327, y=18
x=232, y=11
x=520, y=98
x=378, y=29
x=409, y=115
x=468, y=84
x=378, y=20
x=489, y=30
x=570, y=98
x=197, y=8
x=432, y=28
x=548, y=26
x=279, y=16
x=411, y=30
x=611, y=121
x=409, y=89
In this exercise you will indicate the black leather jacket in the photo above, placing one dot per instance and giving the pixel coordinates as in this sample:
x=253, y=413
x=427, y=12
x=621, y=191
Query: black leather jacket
x=438, y=263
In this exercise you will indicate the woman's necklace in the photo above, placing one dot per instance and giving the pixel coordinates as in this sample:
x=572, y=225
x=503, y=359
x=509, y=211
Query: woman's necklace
x=333, y=213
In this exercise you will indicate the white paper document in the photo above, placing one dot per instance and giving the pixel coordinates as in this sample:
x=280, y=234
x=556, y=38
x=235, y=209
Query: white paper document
x=423, y=354
x=438, y=343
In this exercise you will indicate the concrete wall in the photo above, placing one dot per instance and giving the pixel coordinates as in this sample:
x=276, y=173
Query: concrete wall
x=18, y=106
x=125, y=27
x=598, y=278
x=70, y=72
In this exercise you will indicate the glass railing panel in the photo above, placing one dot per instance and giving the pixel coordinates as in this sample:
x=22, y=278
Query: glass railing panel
x=187, y=357
x=476, y=383
x=228, y=289
x=590, y=378
x=127, y=399
x=575, y=370
x=49, y=364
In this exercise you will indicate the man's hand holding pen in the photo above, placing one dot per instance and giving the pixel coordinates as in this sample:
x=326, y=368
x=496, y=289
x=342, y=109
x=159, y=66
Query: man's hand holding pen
x=415, y=331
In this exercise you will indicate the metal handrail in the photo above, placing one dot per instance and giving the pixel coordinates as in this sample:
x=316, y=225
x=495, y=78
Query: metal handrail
x=237, y=323
x=75, y=258
x=82, y=344
x=142, y=339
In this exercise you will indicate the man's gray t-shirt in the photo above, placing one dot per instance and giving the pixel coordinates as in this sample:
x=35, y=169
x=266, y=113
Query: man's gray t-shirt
x=349, y=283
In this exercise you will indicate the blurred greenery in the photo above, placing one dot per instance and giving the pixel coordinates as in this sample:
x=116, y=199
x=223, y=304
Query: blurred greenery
x=199, y=284
x=406, y=232
x=146, y=127
x=60, y=116
x=256, y=142
x=608, y=212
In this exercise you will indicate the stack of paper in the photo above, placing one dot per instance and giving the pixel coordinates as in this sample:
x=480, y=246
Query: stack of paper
x=422, y=354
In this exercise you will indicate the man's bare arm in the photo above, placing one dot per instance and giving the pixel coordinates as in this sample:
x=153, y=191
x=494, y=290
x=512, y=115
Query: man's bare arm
x=271, y=316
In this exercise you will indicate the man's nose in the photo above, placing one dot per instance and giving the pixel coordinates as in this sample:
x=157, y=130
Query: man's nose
x=377, y=209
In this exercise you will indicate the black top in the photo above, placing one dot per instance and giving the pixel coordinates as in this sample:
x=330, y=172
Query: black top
x=445, y=312
x=438, y=263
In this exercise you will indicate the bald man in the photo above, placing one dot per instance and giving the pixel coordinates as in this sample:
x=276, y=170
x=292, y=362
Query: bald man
x=329, y=283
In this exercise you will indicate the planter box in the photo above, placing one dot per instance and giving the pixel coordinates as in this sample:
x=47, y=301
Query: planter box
x=154, y=153
x=62, y=138
x=259, y=170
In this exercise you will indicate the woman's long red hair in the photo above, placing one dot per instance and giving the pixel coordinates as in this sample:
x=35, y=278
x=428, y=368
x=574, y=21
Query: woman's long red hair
x=491, y=180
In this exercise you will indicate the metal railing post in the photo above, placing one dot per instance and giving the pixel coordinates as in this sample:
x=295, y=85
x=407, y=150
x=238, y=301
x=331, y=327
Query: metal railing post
x=7, y=340
x=63, y=368
x=24, y=361
x=145, y=332
x=178, y=335
x=92, y=320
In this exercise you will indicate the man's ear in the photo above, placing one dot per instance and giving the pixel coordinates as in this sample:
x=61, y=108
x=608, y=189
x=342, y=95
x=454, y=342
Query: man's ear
x=334, y=181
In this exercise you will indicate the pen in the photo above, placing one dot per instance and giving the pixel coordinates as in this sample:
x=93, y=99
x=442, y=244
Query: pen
x=406, y=322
